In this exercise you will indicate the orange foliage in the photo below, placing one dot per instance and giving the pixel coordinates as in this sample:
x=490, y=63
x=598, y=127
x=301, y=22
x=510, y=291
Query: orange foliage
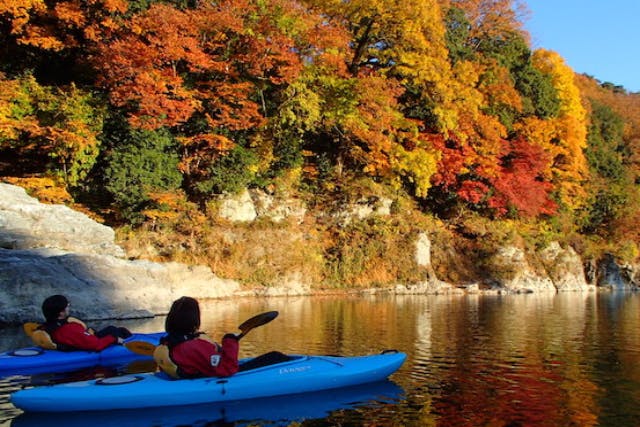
x=375, y=128
x=201, y=151
x=492, y=18
x=58, y=25
x=497, y=86
x=223, y=53
x=46, y=190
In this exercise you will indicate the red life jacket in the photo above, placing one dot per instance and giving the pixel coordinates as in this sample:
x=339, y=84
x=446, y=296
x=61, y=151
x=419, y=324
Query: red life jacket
x=198, y=357
x=74, y=336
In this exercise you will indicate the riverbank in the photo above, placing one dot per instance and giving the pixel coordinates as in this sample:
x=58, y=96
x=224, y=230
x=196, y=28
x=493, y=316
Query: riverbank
x=47, y=249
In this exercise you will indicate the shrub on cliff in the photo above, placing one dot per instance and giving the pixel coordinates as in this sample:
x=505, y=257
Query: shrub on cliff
x=144, y=163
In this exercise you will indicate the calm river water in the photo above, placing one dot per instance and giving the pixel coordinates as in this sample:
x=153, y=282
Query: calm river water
x=569, y=359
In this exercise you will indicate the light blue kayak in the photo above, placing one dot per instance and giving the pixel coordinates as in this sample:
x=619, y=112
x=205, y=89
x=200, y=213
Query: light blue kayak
x=36, y=360
x=272, y=411
x=300, y=374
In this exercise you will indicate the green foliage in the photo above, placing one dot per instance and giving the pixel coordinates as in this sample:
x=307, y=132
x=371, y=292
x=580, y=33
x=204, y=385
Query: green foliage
x=230, y=172
x=287, y=154
x=510, y=51
x=609, y=182
x=604, y=143
x=604, y=207
x=539, y=96
x=141, y=163
x=59, y=123
x=458, y=29
x=415, y=107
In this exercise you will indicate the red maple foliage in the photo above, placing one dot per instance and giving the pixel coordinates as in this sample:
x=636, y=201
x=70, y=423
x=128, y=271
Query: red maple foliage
x=519, y=184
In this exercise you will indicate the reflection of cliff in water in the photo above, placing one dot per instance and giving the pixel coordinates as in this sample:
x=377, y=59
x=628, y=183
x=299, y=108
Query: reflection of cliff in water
x=610, y=275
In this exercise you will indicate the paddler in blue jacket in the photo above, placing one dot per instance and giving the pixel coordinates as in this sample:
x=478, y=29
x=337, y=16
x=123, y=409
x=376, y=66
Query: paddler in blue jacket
x=187, y=353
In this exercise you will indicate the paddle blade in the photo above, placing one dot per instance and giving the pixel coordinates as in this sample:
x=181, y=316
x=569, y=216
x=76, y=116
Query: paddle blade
x=140, y=347
x=258, y=320
x=30, y=327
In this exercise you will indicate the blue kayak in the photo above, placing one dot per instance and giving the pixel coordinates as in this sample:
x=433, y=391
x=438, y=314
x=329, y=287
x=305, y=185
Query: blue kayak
x=272, y=411
x=36, y=360
x=299, y=374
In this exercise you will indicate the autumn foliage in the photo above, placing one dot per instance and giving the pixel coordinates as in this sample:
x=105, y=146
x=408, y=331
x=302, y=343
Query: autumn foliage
x=443, y=100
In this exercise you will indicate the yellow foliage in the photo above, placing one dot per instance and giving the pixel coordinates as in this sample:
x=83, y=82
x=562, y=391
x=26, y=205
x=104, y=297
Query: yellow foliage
x=423, y=60
x=417, y=165
x=570, y=136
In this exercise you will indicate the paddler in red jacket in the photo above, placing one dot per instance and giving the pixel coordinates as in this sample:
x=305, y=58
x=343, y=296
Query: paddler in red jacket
x=68, y=333
x=187, y=353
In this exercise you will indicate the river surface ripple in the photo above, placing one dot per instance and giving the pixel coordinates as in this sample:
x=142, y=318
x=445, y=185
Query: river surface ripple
x=570, y=359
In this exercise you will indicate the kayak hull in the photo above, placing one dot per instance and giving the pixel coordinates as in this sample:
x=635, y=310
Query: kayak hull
x=278, y=410
x=36, y=360
x=301, y=374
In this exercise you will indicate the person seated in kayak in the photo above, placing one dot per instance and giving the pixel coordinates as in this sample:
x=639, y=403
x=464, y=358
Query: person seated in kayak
x=62, y=332
x=185, y=352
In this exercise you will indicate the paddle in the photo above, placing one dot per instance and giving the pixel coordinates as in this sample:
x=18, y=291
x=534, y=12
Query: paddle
x=255, y=321
x=147, y=348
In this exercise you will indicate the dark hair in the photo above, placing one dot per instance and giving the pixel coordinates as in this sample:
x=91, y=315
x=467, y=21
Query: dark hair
x=52, y=306
x=183, y=317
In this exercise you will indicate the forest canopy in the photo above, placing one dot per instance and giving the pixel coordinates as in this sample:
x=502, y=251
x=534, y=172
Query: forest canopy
x=136, y=104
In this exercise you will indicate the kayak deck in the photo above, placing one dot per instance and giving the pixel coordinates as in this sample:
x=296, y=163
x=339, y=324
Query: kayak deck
x=35, y=360
x=301, y=374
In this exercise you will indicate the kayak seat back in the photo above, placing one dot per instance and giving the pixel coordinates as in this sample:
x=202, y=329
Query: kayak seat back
x=42, y=339
x=166, y=365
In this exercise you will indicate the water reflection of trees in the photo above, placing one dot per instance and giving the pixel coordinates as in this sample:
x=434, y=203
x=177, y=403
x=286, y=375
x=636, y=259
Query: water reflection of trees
x=532, y=360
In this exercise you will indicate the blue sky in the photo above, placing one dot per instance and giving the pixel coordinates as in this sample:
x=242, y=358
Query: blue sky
x=597, y=37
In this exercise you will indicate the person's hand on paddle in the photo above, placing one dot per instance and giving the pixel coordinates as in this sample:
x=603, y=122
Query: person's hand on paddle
x=232, y=336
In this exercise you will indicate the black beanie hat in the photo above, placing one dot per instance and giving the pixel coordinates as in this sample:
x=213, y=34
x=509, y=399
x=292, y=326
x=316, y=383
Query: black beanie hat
x=52, y=306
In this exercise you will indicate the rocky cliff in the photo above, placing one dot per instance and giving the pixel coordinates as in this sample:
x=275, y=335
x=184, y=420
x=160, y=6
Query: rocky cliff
x=48, y=249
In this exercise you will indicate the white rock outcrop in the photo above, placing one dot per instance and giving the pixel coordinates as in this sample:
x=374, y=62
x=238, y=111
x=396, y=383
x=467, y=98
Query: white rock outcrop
x=50, y=249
